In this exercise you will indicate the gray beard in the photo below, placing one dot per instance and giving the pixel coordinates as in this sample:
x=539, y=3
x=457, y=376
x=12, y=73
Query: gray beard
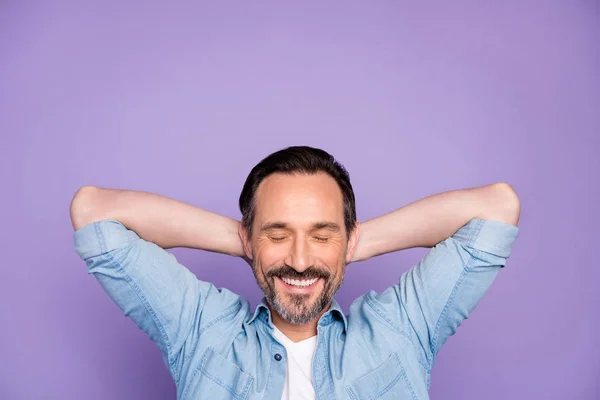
x=299, y=311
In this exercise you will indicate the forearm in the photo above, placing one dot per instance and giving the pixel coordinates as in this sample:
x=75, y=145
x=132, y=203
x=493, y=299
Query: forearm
x=428, y=221
x=158, y=219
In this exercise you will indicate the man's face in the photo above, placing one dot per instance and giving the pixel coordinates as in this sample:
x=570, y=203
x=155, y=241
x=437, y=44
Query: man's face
x=299, y=245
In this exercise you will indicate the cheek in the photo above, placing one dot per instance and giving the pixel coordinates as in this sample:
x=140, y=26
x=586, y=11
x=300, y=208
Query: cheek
x=335, y=250
x=269, y=255
x=329, y=256
x=333, y=258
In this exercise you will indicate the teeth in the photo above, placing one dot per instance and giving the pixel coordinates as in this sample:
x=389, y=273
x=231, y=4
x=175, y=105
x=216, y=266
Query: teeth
x=299, y=283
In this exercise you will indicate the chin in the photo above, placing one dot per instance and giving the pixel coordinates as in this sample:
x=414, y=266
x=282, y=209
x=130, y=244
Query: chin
x=299, y=310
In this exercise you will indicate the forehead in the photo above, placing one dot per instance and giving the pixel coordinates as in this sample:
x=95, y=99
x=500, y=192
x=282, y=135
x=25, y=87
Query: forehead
x=299, y=198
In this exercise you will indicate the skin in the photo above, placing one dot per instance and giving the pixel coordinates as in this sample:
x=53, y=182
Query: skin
x=299, y=231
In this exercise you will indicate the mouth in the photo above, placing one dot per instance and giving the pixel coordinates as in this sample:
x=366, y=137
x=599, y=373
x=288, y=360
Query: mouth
x=299, y=285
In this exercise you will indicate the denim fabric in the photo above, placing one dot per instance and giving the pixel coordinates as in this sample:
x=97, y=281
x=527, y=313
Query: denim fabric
x=215, y=347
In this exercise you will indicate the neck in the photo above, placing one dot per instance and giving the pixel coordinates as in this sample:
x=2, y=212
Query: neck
x=296, y=332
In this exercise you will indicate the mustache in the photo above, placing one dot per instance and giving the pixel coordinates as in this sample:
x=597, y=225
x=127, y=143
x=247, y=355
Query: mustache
x=289, y=272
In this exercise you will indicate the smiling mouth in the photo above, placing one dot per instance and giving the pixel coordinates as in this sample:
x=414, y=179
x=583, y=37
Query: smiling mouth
x=299, y=285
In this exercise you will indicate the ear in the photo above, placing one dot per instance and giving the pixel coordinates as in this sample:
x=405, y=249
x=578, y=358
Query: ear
x=352, y=242
x=246, y=243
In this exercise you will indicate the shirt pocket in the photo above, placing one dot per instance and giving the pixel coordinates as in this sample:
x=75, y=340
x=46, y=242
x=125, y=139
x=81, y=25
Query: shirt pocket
x=387, y=381
x=217, y=378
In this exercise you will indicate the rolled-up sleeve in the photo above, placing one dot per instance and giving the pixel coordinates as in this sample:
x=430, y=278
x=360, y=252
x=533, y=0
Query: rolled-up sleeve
x=493, y=237
x=151, y=287
x=102, y=237
x=440, y=291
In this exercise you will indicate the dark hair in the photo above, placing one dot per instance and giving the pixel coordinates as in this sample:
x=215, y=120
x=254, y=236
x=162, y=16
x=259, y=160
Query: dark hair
x=291, y=160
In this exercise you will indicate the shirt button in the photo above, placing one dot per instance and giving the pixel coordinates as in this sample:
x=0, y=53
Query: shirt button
x=277, y=357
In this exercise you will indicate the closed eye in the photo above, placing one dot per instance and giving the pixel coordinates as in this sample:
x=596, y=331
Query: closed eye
x=277, y=238
x=321, y=239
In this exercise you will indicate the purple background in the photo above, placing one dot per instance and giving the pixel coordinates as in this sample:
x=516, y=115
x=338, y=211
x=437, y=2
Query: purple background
x=183, y=101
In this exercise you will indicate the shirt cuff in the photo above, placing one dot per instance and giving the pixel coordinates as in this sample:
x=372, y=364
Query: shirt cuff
x=101, y=237
x=493, y=237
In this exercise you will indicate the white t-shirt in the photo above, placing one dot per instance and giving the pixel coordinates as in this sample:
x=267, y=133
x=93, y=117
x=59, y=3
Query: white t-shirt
x=298, y=380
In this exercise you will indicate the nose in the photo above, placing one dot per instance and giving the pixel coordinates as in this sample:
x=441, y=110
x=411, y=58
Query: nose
x=299, y=256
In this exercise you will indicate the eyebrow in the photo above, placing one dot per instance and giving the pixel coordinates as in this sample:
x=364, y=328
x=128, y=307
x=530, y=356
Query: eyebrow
x=332, y=226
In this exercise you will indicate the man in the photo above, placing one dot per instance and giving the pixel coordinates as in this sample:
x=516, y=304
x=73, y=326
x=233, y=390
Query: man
x=298, y=232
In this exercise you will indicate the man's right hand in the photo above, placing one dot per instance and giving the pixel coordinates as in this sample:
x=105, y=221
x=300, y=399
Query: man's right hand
x=167, y=222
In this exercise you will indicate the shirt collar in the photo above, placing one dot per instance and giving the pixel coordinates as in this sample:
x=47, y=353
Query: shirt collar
x=263, y=313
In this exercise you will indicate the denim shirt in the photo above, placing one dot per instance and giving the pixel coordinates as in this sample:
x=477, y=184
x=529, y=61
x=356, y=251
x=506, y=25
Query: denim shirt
x=215, y=347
